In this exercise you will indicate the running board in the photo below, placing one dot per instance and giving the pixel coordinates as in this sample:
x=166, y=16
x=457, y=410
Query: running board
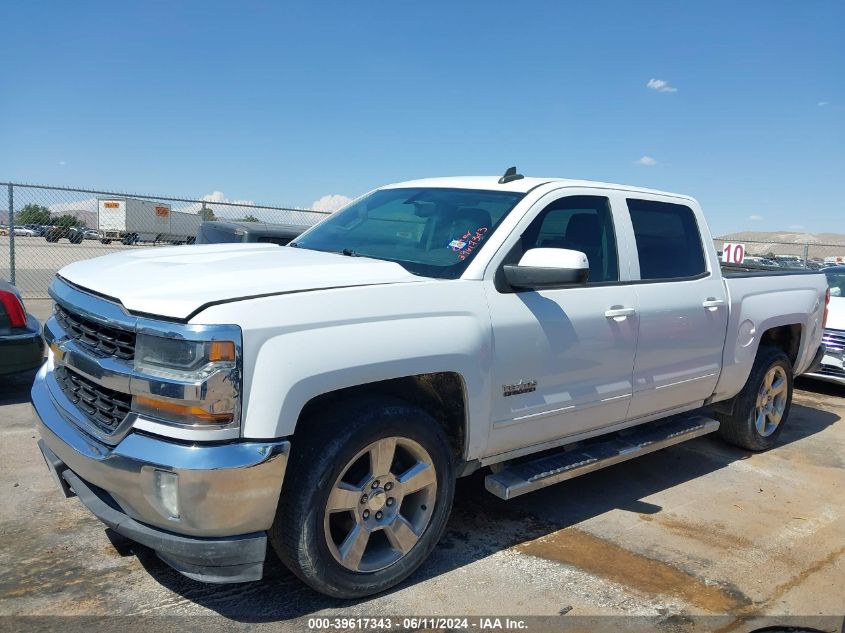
x=518, y=478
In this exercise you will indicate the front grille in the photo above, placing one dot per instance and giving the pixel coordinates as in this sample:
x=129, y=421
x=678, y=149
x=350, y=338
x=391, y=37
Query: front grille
x=103, y=407
x=100, y=339
x=834, y=340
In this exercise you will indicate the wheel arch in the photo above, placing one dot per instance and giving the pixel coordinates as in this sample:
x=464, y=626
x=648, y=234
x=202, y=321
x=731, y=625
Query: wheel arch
x=442, y=394
x=787, y=338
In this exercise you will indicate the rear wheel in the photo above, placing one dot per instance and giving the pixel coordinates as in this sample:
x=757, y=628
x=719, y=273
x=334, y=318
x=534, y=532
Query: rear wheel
x=365, y=500
x=762, y=407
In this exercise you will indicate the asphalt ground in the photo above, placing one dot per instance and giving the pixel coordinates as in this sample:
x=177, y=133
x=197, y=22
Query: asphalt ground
x=667, y=541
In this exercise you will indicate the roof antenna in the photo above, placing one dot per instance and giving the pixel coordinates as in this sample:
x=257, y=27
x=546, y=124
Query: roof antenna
x=510, y=176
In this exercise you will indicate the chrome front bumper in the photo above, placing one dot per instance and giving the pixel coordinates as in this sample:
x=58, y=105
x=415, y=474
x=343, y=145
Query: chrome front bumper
x=224, y=489
x=227, y=492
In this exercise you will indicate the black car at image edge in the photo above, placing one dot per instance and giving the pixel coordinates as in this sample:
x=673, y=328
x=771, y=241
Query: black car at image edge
x=21, y=345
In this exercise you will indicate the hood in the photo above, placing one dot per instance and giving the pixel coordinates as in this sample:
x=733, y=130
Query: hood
x=176, y=281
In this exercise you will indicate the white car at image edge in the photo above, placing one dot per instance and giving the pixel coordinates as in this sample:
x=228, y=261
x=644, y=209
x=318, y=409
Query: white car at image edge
x=832, y=368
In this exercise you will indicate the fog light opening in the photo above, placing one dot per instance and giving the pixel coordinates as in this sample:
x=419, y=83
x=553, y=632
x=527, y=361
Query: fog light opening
x=166, y=486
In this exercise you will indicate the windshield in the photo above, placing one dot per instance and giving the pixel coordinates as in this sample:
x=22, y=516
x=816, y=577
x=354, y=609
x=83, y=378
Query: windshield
x=429, y=231
x=836, y=281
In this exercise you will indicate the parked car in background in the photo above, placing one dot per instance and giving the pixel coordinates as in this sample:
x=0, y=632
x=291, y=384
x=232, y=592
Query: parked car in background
x=222, y=232
x=73, y=234
x=832, y=368
x=4, y=230
x=789, y=261
x=21, y=345
x=759, y=261
x=90, y=234
x=22, y=231
x=39, y=229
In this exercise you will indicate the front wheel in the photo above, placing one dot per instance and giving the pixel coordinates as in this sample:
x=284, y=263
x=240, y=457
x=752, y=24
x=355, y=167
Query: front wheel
x=762, y=407
x=366, y=497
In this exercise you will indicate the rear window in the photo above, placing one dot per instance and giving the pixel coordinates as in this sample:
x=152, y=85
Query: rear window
x=668, y=240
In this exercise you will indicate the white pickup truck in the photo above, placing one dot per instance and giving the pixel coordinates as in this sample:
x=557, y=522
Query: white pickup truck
x=324, y=396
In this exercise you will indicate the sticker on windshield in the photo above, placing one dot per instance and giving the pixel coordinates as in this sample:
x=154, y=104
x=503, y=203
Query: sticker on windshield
x=457, y=245
x=471, y=240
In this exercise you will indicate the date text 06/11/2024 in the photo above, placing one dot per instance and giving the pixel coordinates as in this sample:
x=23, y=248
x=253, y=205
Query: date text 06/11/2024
x=415, y=623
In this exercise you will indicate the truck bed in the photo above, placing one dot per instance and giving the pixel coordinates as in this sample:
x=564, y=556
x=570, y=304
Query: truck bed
x=751, y=270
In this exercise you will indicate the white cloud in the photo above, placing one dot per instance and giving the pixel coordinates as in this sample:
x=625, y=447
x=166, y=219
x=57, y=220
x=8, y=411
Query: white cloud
x=648, y=161
x=660, y=85
x=221, y=211
x=235, y=209
x=755, y=218
x=331, y=202
x=821, y=104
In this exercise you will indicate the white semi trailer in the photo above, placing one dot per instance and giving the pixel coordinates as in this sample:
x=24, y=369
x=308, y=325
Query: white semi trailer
x=131, y=220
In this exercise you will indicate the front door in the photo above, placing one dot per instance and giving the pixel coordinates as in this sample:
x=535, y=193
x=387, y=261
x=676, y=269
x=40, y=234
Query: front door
x=563, y=358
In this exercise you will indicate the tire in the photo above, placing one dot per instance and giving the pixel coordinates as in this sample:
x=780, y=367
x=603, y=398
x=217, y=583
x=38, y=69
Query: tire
x=334, y=447
x=105, y=241
x=750, y=426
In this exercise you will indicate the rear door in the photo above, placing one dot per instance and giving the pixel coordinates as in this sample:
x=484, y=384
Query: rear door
x=683, y=312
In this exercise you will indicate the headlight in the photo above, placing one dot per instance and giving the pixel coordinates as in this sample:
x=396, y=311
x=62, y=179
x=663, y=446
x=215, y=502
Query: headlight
x=192, y=383
x=180, y=359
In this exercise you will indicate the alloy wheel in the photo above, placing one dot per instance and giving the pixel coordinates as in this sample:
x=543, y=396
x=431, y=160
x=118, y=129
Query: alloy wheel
x=380, y=505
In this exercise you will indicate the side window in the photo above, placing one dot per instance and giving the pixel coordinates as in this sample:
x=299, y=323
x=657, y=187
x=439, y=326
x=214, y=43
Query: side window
x=668, y=240
x=579, y=223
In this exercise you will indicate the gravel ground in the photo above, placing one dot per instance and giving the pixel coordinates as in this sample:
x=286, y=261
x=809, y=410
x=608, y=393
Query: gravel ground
x=696, y=529
x=36, y=260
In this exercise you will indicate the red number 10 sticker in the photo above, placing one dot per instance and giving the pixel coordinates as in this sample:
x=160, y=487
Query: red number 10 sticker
x=733, y=253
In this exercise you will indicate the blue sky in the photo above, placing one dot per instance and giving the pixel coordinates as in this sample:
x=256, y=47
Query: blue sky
x=284, y=103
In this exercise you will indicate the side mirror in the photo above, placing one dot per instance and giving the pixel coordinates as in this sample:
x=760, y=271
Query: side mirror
x=547, y=268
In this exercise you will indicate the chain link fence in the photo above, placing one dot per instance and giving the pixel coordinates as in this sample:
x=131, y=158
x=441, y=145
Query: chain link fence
x=44, y=228
x=812, y=255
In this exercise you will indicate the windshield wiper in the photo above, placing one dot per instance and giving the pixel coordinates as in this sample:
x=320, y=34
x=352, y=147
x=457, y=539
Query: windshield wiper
x=349, y=252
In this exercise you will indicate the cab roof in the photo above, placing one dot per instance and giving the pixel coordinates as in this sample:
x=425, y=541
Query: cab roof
x=522, y=185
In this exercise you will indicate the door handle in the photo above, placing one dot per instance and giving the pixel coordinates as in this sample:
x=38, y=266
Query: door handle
x=712, y=303
x=615, y=313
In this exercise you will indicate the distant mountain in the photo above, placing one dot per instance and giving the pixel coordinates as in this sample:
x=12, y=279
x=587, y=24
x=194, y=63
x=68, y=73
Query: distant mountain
x=788, y=243
x=789, y=237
